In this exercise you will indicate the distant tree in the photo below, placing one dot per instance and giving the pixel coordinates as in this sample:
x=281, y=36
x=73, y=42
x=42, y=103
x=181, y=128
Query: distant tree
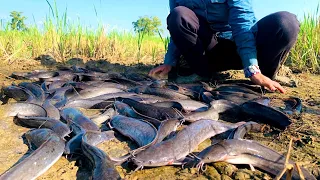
x=147, y=25
x=17, y=21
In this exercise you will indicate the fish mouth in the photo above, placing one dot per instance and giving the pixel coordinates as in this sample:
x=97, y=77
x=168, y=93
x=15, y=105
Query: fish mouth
x=135, y=163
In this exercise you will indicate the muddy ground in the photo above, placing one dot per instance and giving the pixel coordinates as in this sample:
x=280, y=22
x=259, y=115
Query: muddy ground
x=305, y=131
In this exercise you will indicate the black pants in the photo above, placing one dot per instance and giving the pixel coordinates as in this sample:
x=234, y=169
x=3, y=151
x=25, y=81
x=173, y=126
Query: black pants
x=276, y=35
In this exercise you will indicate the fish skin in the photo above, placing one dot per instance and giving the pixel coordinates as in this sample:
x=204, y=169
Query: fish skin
x=167, y=128
x=250, y=126
x=57, y=126
x=241, y=151
x=142, y=132
x=162, y=92
x=177, y=148
x=39, y=161
x=74, y=115
x=52, y=111
x=269, y=116
x=160, y=113
x=35, y=89
x=101, y=164
x=24, y=109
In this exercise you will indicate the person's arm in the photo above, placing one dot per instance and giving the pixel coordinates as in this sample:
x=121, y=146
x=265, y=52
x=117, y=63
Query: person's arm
x=241, y=20
x=171, y=57
x=172, y=54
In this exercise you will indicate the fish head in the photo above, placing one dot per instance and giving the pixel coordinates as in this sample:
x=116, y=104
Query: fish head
x=215, y=154
x=151, y=158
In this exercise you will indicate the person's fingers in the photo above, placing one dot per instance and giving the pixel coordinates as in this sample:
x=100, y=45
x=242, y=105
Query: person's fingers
x=155, y=71
x=164, y=72
x=151, y=72
x=279, y=87
x=271, y=87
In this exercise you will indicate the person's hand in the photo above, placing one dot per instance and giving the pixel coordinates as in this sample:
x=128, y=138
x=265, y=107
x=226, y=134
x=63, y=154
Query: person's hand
x=262, y=80
x=160, y=71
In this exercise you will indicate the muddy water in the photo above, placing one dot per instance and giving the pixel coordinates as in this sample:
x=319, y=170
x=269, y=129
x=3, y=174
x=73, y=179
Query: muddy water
x=305, y=130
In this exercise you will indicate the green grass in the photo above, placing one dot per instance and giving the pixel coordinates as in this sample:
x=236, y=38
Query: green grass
x=65, y=40
x=305, y=55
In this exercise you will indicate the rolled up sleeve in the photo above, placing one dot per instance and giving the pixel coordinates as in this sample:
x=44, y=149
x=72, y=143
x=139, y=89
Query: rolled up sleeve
x=241, y=20
x=172, y=55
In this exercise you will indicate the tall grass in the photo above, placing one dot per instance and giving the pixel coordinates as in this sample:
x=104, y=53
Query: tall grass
x=305, y=55
x=65, y=39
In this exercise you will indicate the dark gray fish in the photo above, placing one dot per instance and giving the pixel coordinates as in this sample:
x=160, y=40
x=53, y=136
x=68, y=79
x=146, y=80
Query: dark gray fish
x=36, y=76
x=52, y=111
x=236, y=88
x=137, y=76
x=236, y=97
x=293, y=106
x=124, y=81
x=207, y=97
x=174, y=150
x=167, y=129
x=24, y=109
x=112, y=95
x=240, y=151
x=62, y=76
x=160, y=113
x=217, y=107
x=57, y=84
x=125, y=110
x=57, y=126
x=39, y=161
x=75, y=116
x=73, y=146
x=169, y=104
x=79, y=85
x=101, y=164
x=162, y=92
x=94, y=92
x=35, y=89
x=83, y=103
x=36, y=137
x=95, y=137
x=19, y=94
x=211, y=113
x=266, y=115
x=192, y=105
x=140, y=131
x=242, y=130
x=110, y=85
x=59, y=99
x=103, y=104
x=44, y=86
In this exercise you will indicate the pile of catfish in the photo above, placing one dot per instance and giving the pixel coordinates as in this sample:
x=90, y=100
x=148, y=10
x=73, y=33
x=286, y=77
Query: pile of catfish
x=148, y=112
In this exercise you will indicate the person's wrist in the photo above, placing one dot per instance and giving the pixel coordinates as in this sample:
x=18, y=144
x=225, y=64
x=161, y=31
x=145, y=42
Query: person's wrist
x=251, y=71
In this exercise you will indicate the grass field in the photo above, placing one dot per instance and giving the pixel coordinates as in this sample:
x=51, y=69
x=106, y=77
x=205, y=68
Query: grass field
x=64, y=40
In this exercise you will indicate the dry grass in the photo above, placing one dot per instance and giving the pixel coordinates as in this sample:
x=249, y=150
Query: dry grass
x=65, y=40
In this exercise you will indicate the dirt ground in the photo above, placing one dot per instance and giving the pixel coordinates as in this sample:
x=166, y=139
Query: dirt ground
x=305, y=130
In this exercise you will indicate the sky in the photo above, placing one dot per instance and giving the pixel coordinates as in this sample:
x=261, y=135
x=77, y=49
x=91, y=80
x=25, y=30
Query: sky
x=120, y=14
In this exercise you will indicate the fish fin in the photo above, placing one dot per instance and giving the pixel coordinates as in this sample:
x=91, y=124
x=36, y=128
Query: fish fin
x=201, y=167
x=140, y=167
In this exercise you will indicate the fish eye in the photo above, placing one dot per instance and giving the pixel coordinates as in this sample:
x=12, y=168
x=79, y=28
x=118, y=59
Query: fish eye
x=150, y=162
